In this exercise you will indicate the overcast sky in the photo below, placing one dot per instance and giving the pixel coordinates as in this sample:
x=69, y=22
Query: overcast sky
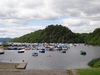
x=19, y=17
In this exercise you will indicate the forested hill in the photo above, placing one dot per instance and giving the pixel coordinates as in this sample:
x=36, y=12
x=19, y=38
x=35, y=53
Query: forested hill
x=94, y=38
x=60, y=34
x=52, y=33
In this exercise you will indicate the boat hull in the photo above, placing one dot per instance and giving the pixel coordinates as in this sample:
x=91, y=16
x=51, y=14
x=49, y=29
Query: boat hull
x=83, y=53
x=20, y=51
x=1, y=52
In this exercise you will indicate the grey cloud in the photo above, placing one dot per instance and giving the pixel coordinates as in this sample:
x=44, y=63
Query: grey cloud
x=88, y=7
x=11, y=31
x=47, y=9
x=17, y=12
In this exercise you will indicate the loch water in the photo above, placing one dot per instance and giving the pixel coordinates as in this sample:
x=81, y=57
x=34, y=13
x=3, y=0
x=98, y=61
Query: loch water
x=54, y=59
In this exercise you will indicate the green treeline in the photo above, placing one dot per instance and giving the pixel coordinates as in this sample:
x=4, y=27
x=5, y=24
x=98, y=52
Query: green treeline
x=94, y=37
x=59, y=34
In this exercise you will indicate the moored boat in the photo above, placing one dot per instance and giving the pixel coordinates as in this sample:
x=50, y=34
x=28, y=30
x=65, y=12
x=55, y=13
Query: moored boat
x=47, y=48
x=64, y=47
x=21, y=51
x=42, y=51
x=1, y=52
x=82, y=52
x=56, y=47
x=63, y=51
x=34, y=54
x=27, y=48
x=12, y=48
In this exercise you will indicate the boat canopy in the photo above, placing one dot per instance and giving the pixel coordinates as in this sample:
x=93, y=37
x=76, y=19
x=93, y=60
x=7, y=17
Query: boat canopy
x=82, y=51
x=64, y=46
x=42, y=50
x=55, y=46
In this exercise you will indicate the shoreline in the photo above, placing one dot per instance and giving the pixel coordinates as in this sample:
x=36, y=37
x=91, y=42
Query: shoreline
x=6, y=65
x=9, y=69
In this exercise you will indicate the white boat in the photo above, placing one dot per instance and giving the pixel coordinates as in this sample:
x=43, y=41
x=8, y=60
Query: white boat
x=1, y=51
x=21, y=51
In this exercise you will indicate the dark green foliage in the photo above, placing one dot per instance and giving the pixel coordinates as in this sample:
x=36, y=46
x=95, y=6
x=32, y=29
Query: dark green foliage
x=60, y=34
x=32, y=37
x=89, y=72
x=96, y=31
x=52, y=33
x=94, y=38
x=95, y=63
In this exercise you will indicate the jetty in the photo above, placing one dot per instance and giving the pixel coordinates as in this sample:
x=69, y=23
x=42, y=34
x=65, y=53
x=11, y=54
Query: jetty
x=21, y=65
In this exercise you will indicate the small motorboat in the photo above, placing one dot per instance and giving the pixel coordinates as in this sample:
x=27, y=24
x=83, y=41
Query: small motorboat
x=27, y=48
x=63, y=51
x=34, y=54
x=12, y=48
x=82, y=52
x=64, y=47
x=42, y=51
x=47, y=48
x=1, y=51
x=56, y=47
x=21, y=51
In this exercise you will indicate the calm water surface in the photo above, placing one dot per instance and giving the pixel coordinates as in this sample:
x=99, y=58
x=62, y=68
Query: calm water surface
x=70, y=59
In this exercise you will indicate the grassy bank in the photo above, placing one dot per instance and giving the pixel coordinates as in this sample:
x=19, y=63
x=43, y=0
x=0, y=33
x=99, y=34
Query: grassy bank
x=95, y=63
x=4, y=48
x=89, y=71
x=69, y=72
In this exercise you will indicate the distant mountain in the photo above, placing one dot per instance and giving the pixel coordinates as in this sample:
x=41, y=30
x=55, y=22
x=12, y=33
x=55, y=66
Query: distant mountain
x=4, y=39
